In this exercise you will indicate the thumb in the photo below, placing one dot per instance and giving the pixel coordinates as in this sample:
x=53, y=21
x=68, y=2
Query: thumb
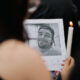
x=72, y=62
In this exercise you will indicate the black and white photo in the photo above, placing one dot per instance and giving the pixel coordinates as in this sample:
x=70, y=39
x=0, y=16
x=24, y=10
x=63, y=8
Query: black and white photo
x=47, y=37
x=47, y=41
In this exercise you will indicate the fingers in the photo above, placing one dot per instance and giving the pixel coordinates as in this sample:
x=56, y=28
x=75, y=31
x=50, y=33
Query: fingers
x=62, y=64
x=72, y=62
x=69, y=62
x=68, y=67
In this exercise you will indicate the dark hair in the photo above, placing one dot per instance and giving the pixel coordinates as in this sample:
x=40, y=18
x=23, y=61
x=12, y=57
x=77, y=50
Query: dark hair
x=12, y=13
x=46, y=26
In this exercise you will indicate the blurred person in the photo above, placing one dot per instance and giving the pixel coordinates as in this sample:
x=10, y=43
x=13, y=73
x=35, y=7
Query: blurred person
x=17, y=60
x=37, y=2
x=33, y=5
x=30, y=1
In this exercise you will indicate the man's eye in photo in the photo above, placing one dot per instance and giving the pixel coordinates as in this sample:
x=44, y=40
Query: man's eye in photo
x=47, y=35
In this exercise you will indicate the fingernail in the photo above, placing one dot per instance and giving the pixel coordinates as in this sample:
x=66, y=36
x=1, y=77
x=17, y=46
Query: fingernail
x=62, y=64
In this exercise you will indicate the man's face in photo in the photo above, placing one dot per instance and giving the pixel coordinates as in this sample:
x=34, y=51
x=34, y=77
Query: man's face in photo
x=44, y=38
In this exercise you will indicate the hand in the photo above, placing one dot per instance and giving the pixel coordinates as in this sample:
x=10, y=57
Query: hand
x=68, y=67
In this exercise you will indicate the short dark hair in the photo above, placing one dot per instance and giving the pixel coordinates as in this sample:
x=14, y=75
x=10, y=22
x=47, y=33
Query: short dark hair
x=11, y=15
x=46, y=26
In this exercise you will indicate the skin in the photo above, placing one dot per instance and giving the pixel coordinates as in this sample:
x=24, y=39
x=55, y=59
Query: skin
x=37, y=2
x=68, y=67
x=30, y=1
x=19, y=62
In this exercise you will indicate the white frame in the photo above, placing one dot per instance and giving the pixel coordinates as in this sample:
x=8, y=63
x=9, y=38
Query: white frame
x=49, y=59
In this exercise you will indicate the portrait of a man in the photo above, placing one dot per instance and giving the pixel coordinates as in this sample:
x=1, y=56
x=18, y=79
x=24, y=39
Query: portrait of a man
x=47, y=37
x=46, y=41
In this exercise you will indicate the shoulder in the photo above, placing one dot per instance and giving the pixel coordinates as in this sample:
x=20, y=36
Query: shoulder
x=16, y=57
x=17, y=50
